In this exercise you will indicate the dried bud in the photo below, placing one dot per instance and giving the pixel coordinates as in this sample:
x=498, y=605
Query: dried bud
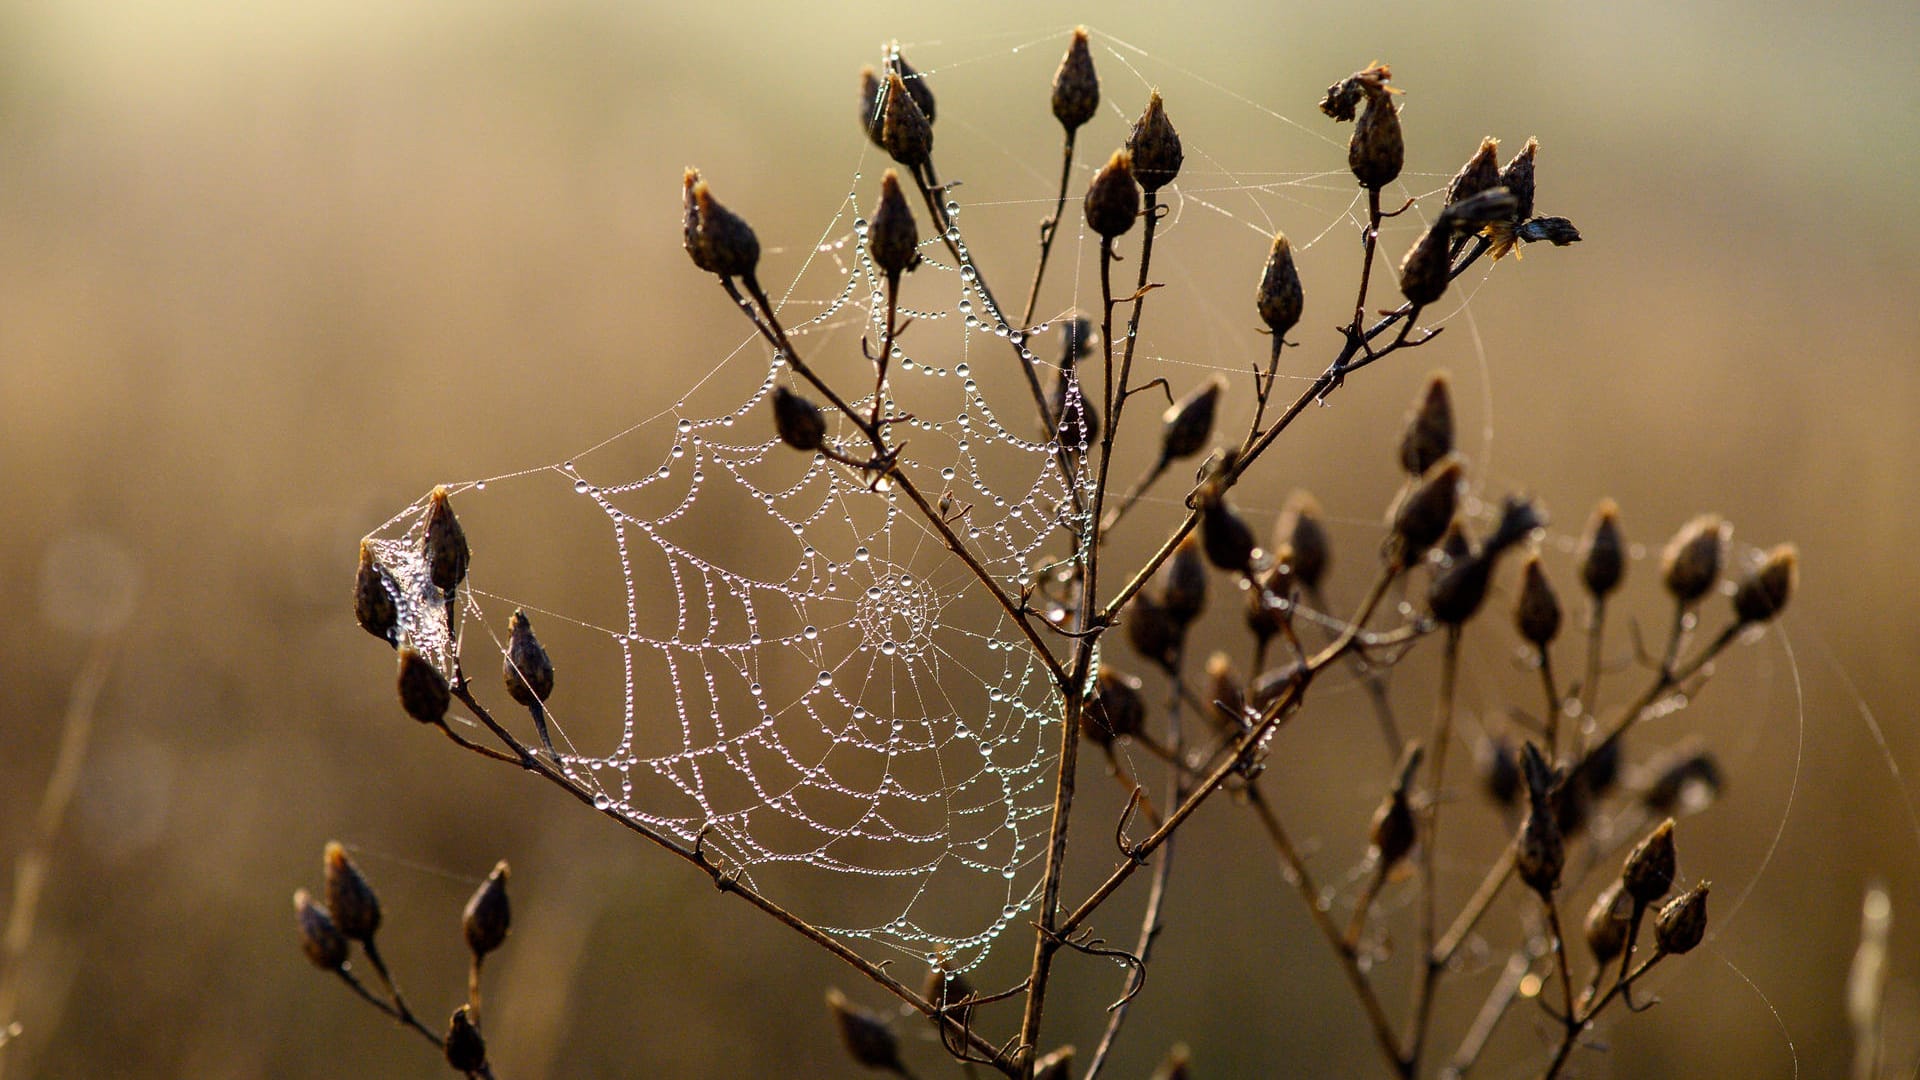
x=1342, y=100
x=1482, y=171
x=372, y=601
x=1650, y=866
x=872, y=101
x=445, y=544
x=906, y=134
x=1520, y=517
x=949, y=993
x=1682, y=924
x=1541, y=853
x=320, y=939
x=1152, y=631
x=1556, y=230
x=917, y=85
x=1113, y=199
x=719, y=240
x=1228, y=540
x=423, y=690
x=1454, y=547
x=1428, y=435
x=1493, y=206
x=1499, y=770
x=1608, y=922
x=1269, y=686
x=1265, y=614
x=1076, y=89
x=1537, y=612
x=1055, y=1066
x=528, y=671
x=1603, y=551
x=350, y=898
x=466, y=1050
x=1517, y=177
x=1683, y=784
x=1280, y=297
x=1114, y=710
x=1457, y=592
x=1426, y=509
x=1691, y=562
x=1425, y=271
x=892, y=236
x=1763, y=594
x=1185, y=425
x=488, y=916
x=1377, y=150
x=798, y=420
x=1300, y=530
x=1392, y=833
x=1223, y=692
x=1183, y=581
x=1154, y=147
x=867, y=1038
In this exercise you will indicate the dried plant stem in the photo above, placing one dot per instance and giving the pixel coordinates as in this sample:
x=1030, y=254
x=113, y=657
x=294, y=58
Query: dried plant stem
x=1050, y=226
x=1499, y=1000
x=1580, y=1023
x=1559, y=942
x=1596, y=631
x=1374, y=681
x=397, y=1013
x=1422, y=1012
x=1544, y=661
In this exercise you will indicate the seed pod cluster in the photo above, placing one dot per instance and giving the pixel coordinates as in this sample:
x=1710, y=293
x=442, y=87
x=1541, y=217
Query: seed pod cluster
x=1300, y=531
x=445, y=544
x=320, y=939
x=1763, y=594
x=1682, y=923
x=1425, y=510
x=1114, y=710
x=466, y=1050
x=350, y=897
x=424, y=692
x=1481, y=172
x=528, y=672
x=1649, y=870
x=1377, y=150
x=1609, y=921
x=1537, y=613
x=1603, y=551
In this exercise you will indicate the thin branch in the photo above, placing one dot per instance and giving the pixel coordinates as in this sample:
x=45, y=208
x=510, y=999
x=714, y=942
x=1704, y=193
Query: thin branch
x=1050, y=226
x=1421, y=1014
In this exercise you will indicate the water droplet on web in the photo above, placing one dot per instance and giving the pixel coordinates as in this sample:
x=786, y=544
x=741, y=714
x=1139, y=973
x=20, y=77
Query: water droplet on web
x=754, y=689
x=601, y=802
x=825, y=679
x=481, y=486
x=579, y=487
x=1009, y=911
x=860, y=226
x=810, y=633
x=685, y=425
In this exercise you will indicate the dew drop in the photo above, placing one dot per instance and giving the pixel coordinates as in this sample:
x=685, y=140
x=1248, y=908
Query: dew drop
x=825, y=679
x=579, y=487
x=685, y=425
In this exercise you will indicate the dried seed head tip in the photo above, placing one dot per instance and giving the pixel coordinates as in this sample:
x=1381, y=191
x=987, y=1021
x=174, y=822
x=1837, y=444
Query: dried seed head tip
x=1682, y=924
x=488, y=917
x=1541, y=853
x=917, y=85
x=1603, y=551
x=1187, y=423
x=1517, y=177
x=718, y=240
x=528, y=671
x=905, y=132
x=1422, y=515
x=798, y=420
x=872, y=101
x=350, y=898
x=466, y=1050
x=446, y=543
x=867, y=1038
x=1183, y=581
x=1299, y=529
x=1076, y=89
x=1280, y=297
x=1113, y=199
x=893, y=238
x=373, y=603
x=423, y=690
x=1537, y=612
x=1650, y=866
x=1691, y=562
x=1481, y=172
x=1763, y=594
x=320, y=939
x=1428, y=434
x=1155, y=147
x=1377, y=150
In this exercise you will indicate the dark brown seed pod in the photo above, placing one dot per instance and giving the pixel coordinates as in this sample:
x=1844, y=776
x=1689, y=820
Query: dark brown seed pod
x=917, y=85
x=1683, y=784
x=867, y=1038
x=350, y=898
x=1457, y=592
x=892, y=236
x=1224, y=693
x=1271, y=685
x=1537, y=612
x=1691, y=562
x=1154, y=633
x=1187, y=423
x=423, y=690
x=1517, y=177
x=488, y=916
x=1183, y=581
x=445, y=544
x=1265, y=614
x=1426, y=509
x=1392, y=832
x=1763, y=594
x=1493, y=206
x=1603, y=551
x=1682, y=924
x=320, y=939
x=798, y=420
x=1114, y=709
x=1499, y=770
x=1428, y=434
x=373, y=603
x=1520, y=517
x=1608, y=922
x=1541, y=852
x=1113, y=199
x=905, y=132
x=872, y=101
x=1424, y=273
x=528, y=671
x=1482, y=171
x=1280, y=297
x=1301, y=530
x=1076, y=89
x=1154, y=147
x=466, y=1050
x=718, y=240
x=1342, y=100
x=1557, y=231
x=1225, y=537
x=1377, y=150
x=950, y=993
x=1455, y=546
x=1055, y=1066
x=1650, y=866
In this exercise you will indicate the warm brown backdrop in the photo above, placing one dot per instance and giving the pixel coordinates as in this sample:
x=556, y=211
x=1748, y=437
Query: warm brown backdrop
x=269, y=271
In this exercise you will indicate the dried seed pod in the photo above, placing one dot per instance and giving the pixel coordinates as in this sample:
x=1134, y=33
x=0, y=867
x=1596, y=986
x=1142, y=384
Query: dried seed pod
x=1154, y=147
x=350, y=897
x=1423, y=513
x=1609, y=921
x=1342, y=99
x=1391, y=835
x=1763, y=594
x=1055, y=1066
x=528, y=670
x=1457, y=593
x=718, y=240
x=1226, y=537
x=1556, y=230
x=1152, y=631
x=1113, y=199
x=1114, y=709
x=1280, y=297
x=867, y=1038
x=892, y=236
x=1268, y=686
x=1603, y=551
x=423, y=690
x=1541, y=853
x=1650, y=866
x=373, y=603
x=872, y=102
x=488, y=916
x=1517, y=177
x=1076, y=89
x=1573, y=804
x=1482, y=171
x=1377, y=149
x=1187, y=423
x=1691, y=562
x=1223, y=693
x=1183, y=581
x=1683, y=784
x=1265, y=614
x=906, y=134
x=1300, y=530
x=949, y=993
x=466, y=1050
x=917, y=85
x=1493, y=206
x=320, y=939
x=1682, y=924
x=1428, y=434
x=1499, y=769
x=445, y=544
x=1426, y=270
x=1537, y=612
x=1454, y=547
x=798, y=421
x=1520, y=517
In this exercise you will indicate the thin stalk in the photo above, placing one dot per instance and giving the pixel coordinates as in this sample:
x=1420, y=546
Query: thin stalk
x=1596, y=630
x=403, y=1018
x=1552, y=691
x=1488, y=1018
x=1560, y=955
x=1422, y=1011
x=1050, y=226
x=1572, y=1036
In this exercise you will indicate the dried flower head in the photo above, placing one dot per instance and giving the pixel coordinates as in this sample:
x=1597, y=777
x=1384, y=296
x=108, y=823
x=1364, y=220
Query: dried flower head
x=1763, y=594
x=1187, y=423
x=423, y=690
x=718, y=240
x=1422, y=514
x=1456, y=593
x=320, y=939
x=445, y=543
x=373, y=603
x=1280, y=298
x=1557, y=231
x=1537, y=612
x=466, y=1050
x=1377, y=150
x=1517, y=177
x=1391, y=835
x=1300, y=530
x=1691, y=562
x=1183, y=581
x=1541, y=853
x=1223, y=692
x=867, y=1038
x=1226, y=537
x=1152, y=630
x=917, y=85
x=892, y=236
x=1113, y=199
x=1609, y=921
x=1603, y=551
x=1114, y=710
x=1428, y=434
x=528, y=670
x=906, y=134
x=1650, y=866
x=1682, y=924
x=1076, y=88
x=1482, y=171
x=872, y=102
x=1427, y=268
x=1154, y=147
x=350, y=897
x=488, y=917
x=798, y=421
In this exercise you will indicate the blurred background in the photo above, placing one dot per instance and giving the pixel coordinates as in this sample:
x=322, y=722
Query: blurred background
x=270, y=271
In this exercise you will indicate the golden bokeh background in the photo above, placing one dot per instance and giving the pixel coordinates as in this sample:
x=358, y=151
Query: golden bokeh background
x=269, y=271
